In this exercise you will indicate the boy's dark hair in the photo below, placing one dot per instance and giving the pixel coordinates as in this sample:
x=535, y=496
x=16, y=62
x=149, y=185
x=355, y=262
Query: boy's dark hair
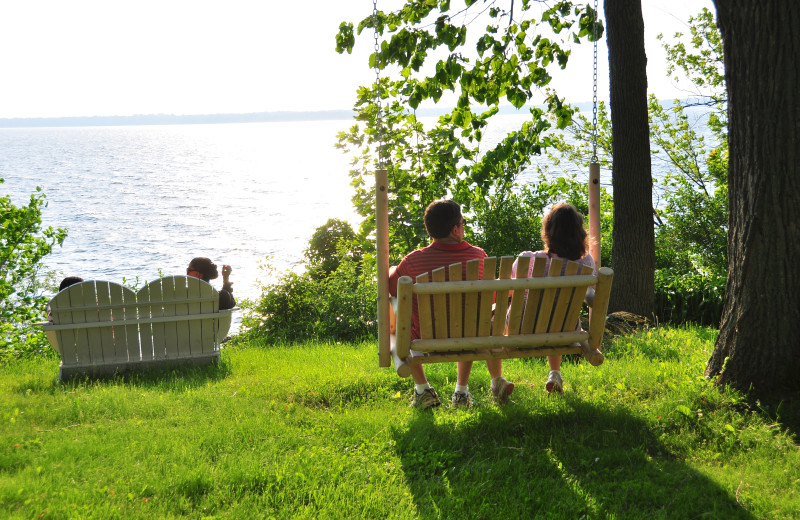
x=441, y=216
x=563, y=233
x=205, y=267
x=69, y=280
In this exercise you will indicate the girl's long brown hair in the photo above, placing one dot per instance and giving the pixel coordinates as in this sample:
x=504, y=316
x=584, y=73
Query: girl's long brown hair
x=563, y=233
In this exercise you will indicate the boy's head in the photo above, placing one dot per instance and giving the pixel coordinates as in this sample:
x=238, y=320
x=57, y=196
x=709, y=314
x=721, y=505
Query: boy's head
x=203, y=268
x=441, y=216
x=69, y=280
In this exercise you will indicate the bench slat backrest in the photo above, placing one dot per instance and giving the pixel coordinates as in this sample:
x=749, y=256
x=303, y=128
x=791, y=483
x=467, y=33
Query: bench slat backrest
x=94, y=302
x=169, y=299
x=487, y=299
x=103, y=327
x=455, y=313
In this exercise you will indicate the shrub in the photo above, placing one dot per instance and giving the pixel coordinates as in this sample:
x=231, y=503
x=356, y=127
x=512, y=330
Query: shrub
x=510, y=222
x=329, y=300
x=689, y=298
x=322, y=254
x=23, y=244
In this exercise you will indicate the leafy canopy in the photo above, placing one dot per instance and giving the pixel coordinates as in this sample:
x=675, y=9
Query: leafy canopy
x=478, y=56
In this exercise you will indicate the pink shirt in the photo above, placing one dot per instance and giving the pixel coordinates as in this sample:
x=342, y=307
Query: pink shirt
x=586, y=260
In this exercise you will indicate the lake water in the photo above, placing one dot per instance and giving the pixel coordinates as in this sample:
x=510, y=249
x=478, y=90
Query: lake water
x=136, y=199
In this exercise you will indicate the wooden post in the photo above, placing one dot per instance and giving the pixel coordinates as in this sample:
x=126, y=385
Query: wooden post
x=594, y=212
x=382, y=241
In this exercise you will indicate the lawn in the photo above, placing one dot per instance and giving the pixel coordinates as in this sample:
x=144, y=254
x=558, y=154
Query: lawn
x=319, y=431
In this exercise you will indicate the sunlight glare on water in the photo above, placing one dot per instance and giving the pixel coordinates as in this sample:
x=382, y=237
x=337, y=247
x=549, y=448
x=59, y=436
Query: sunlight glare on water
x=142, y=198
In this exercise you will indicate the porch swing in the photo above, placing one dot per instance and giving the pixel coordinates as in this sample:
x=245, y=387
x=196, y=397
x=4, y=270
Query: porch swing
x=459, y=319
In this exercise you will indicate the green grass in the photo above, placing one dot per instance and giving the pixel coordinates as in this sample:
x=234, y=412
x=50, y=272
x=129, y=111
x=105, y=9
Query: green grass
x=319, y=431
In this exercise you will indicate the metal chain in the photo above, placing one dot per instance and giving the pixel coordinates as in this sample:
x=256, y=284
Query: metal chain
x=594, y=96
x=379, y=115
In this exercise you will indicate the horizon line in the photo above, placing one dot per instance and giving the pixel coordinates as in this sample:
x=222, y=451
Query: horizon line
x=220, y=118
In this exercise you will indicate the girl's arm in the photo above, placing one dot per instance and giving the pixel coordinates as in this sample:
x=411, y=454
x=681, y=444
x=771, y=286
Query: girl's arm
x=589, y=298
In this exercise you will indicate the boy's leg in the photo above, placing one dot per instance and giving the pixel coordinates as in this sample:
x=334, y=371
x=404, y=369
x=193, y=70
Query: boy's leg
x=464, y=369
x=418, y=375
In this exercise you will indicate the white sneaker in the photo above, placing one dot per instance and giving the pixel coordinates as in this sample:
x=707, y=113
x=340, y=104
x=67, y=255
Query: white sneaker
x=502, y=390
x=554, y=383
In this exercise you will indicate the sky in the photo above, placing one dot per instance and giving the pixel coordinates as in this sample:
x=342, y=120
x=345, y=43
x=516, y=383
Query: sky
x=122, y=57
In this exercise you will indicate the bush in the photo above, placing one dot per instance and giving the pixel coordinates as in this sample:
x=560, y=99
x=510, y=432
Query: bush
x=510, y=222
x=689, y=298
x=322, y=254
x=23, y=244
x=330, y=300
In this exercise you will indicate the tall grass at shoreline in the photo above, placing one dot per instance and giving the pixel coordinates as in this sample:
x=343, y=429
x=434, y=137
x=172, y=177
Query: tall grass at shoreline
x=319, y=431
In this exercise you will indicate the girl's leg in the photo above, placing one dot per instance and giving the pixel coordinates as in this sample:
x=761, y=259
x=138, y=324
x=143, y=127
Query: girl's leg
x=554, y=381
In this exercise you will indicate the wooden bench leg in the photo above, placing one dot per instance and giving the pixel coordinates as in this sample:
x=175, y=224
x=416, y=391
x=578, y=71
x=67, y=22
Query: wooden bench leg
x=592, y=355
x=402, y=366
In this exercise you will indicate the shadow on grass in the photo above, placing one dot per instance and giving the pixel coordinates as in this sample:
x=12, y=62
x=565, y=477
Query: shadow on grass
x=176, y=378
x=574, y=462
x=783, y=409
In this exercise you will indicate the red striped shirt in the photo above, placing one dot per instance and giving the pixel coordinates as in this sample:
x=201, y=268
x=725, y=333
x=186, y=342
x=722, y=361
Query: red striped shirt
x=437, y=254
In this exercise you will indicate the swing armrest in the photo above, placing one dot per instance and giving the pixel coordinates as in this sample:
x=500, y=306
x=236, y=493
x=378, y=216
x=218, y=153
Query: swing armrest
x=597, y=323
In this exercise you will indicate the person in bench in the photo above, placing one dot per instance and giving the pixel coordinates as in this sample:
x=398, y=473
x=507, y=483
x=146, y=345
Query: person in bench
x=564, y=237
x=66, y=282
x=203, y=268
x=445, y=225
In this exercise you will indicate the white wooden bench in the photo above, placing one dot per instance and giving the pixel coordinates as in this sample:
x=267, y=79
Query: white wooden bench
x=459, y=322
x=101, y=328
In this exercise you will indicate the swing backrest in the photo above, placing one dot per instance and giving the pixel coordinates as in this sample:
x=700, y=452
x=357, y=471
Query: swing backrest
x=469, y=311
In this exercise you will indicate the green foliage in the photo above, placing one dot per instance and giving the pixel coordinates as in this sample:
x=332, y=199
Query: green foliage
x=509, y=59
x=426, y=43
x=692, y=221
x=23, y=245
x=334, y=298
x=509, y=222
x=685, y=298
x=324, y=251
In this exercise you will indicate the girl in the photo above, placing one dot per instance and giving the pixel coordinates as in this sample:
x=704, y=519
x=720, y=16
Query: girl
x=564, y=237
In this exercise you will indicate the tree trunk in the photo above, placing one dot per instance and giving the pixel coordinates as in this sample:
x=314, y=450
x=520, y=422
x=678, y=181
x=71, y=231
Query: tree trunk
x=633, y=250
x=758, y=346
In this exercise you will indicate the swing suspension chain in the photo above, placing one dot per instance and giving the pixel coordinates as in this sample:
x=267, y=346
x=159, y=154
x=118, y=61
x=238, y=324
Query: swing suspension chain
x=378, y=117
x=594, y=96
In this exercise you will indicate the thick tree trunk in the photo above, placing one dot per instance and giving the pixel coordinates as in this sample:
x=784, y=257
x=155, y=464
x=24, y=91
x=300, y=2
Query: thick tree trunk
x=759, y=341
x=633, y=251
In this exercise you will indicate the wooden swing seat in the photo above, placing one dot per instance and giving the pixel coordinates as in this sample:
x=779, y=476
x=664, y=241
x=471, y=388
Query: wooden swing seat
x=491, y=317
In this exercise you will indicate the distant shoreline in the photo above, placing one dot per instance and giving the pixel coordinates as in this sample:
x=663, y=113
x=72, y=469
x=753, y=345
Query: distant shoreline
x=171, y=119
x=205, y=119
